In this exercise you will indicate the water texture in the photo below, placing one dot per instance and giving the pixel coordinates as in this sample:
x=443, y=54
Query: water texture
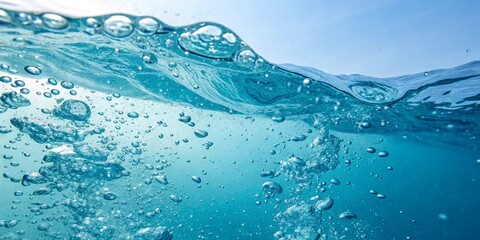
x=123, y=127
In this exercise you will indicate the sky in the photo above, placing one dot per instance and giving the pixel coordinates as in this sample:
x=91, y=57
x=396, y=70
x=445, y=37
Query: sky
x=379, y=38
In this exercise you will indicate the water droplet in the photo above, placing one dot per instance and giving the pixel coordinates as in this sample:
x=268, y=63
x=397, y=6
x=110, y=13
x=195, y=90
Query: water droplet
x=33, y=70
x=383, y=154
x=118, y=26
x=201, y=133
x=196, y=179
x=425, y=74
x=389, y=168
x=468, y=50
x=109, y=196
x=133, y=115
x=148, y=26
x=54, y=21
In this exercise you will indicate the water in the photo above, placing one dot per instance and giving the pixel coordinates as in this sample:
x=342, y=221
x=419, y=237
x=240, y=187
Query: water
x=123, y=127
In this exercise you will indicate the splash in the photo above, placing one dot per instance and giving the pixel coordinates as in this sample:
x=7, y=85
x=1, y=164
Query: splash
x=86, y=169
x=207, y=65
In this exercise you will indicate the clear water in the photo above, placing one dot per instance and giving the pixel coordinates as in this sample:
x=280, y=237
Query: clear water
x=122, y=127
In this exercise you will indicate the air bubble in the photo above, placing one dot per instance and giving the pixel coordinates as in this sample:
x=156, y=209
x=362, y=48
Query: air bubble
x=43, y=227
x=33, y=70
x=185, y=119
x=230, y=37
x=365, y=125
x=347, y=215
x=443, y=216
x=118, y=26
x=24, y=91
x=94, y=26
x=19, y=83
x=52, y=81
x=371, y=150
x=208, y=41
x=4, y=16
x=196, y=179
x=201, y=133
x=133, y=115
x=109, y=196
x=5, y=79
x=24, y=18
x=307, y=81
x=75, y=110
x=161, y=179
x=324, y=204
x=54, y=21
x=67, y=84
x=278, y=118
x=147, y=26
x=149, y=58
x=246, y=58
x=175, y=198
x=381, y=196
x=383, y=154
x=42, y=191
x=208, y=33
x=273, y=187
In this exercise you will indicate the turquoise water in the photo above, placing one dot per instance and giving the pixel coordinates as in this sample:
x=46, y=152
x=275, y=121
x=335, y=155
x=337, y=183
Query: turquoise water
x=123, y=127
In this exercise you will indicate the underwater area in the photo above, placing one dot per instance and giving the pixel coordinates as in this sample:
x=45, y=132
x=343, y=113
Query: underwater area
x=124, y=127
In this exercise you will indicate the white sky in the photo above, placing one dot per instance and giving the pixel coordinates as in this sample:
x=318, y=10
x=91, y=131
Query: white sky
x=372, y=37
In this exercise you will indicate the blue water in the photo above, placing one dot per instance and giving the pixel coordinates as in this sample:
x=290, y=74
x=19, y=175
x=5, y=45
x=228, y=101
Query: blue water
x=123, y=127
